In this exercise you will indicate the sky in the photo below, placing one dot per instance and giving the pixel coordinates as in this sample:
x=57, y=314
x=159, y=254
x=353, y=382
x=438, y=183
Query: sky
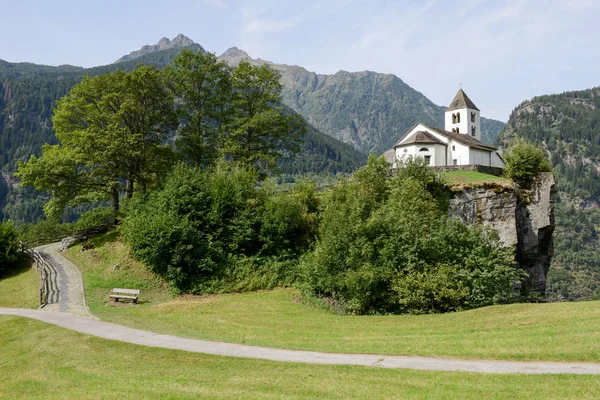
x=502, y=52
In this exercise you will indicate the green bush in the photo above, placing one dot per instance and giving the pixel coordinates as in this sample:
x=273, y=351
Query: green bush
x=9, y=246
x=95, y=217
x=204, y=227
x=45, y=231
x=386, y=245
x=524, y=161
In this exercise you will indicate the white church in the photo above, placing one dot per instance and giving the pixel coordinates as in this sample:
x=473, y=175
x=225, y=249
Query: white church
x=459, y=144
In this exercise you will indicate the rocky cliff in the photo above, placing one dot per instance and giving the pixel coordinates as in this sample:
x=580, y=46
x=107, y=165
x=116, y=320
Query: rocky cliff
x=524, y=220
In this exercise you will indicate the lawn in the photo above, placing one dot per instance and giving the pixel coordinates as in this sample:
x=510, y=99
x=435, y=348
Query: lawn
x=45, y=361
x=558, y=331
x=21, y=288
x=470, y=178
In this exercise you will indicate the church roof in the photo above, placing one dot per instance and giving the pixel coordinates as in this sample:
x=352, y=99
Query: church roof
x=458, y=137
x=461, y=100
x=464, y=139
x=390, y=156
x=423, y=137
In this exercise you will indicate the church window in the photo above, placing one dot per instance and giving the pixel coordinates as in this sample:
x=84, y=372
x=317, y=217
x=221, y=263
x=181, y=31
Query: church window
x=455, y=161
x=453, y=148
x=472, y=117
x=428, y=160
x=473, y=131
x=458, y=118
x=423, y=149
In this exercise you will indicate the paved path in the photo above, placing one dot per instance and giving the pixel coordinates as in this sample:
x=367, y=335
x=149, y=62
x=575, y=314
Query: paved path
x=116, y=332
x=70, y=311
x=66, y=286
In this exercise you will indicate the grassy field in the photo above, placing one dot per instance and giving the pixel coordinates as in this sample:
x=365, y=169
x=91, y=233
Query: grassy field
x=558, y=331
x=20, y=289
x=457, y=178
x=44, y=361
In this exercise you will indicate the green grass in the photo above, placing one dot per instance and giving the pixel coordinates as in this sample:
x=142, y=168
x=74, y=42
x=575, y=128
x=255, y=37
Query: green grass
x=558, y=331
x=473, y=177
x=20, y=288
x=45, y=361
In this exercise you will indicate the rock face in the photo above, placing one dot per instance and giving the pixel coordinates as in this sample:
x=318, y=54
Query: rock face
x=525, y=222
x=180, y=40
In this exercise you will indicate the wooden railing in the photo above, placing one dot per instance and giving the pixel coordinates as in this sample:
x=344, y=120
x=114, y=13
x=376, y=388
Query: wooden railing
x=48, y=283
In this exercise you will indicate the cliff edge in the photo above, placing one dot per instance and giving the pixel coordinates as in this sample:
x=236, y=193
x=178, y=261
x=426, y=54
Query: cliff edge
x=524, y=220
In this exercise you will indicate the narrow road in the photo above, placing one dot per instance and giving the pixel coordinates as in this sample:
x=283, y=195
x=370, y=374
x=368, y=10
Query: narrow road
x=135, y=336
x=66, y=286
x=70, y=311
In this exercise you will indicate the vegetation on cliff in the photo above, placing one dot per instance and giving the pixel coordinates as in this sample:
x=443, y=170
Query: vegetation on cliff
x=567, y=127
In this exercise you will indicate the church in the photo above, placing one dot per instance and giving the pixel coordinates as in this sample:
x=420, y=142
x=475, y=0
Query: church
x=458, y=144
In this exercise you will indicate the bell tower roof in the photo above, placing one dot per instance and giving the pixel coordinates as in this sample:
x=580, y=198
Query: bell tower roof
x=461, y=100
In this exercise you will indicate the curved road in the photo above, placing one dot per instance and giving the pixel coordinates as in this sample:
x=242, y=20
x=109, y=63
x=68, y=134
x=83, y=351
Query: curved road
x=84, y=324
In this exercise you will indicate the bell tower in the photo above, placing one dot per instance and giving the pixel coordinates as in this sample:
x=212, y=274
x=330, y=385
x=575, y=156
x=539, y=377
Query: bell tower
x=462, y=116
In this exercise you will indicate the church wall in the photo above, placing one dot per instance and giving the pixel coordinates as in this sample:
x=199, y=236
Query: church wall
x=479, y=157
x=460, y=154
x=497, y=161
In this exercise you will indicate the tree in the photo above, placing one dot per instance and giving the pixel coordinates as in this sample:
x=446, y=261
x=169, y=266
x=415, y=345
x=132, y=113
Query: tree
x=260, y=130
x=9, y=246
x=202, y=86
x=112, y=131
x=524, y=161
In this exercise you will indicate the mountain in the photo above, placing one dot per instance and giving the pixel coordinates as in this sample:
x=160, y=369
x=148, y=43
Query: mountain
x=180, y=41
x=567, y=126
x=28, y=93
x=367, y=109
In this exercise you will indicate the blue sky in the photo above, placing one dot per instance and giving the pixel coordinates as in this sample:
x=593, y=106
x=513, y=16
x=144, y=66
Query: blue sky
x=502, y=51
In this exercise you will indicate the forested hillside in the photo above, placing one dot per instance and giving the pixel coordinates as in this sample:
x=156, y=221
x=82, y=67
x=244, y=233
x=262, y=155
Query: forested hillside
x=28, y=94
x=567, y=125
x=367, y=109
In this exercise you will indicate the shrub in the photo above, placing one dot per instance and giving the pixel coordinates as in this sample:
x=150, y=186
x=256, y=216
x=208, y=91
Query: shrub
x=204, y=227
x=390, y=248
x=9, y=246
x=95, y=217
x=524, y=161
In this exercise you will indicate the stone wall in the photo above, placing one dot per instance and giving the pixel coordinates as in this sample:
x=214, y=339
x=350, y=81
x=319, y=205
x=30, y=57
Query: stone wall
x=525, y=222
x=473, y=167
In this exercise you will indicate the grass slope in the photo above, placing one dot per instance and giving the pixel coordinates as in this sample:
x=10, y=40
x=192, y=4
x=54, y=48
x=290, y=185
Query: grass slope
x=20, y=289
x=557, y=331
x=473, y=177
x=40, y=360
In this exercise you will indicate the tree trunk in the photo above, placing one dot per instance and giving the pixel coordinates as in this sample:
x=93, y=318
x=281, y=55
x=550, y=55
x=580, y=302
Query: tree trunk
x=115, y=198
x=130, y=188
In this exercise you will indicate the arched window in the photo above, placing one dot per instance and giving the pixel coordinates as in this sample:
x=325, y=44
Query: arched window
x=473, y=129
x=472, y=117
x=458, y=118
x=423, y=149
x=453, y=118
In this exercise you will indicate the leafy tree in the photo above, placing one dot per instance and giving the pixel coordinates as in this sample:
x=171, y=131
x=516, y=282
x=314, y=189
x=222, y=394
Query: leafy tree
x=524, y=161
x=386, y=245
x=112, y=129
x=260, y=130
x=202, y=86
x=9, y=246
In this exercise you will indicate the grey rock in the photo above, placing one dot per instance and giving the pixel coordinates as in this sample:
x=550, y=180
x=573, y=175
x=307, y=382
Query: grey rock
x=526, y=225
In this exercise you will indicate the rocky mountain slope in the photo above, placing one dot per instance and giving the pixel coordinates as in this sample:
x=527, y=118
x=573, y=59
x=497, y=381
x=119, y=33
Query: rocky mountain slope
x=367, y=109
x=567, y=126
x=180, y=41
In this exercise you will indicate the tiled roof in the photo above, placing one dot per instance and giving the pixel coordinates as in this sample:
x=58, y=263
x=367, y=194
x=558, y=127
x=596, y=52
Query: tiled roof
x=423, y=137
x=461, y=100
x=390, y=156
x=464, y=139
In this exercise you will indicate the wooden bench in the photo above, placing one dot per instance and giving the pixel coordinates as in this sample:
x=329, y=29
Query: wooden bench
x=128, y=294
